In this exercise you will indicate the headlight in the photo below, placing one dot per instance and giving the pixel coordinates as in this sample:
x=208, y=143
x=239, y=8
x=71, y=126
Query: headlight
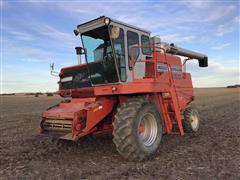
x=76, y=32
x=106, y=21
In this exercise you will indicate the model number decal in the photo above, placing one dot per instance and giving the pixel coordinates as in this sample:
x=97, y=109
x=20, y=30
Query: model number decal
x=163, y=68
x=67, y=79
x=176, y=70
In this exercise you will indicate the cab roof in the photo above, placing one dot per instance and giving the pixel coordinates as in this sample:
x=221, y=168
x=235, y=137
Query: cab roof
x=101, y=19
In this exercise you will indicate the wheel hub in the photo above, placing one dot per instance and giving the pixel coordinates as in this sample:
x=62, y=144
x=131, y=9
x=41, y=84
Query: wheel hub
x=194, y=122
x=147, y=129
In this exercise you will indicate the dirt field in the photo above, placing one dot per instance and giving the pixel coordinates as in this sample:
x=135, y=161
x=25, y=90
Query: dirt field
x=212, y=154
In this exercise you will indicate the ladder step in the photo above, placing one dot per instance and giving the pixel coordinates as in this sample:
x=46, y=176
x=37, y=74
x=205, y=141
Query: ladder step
x=167, y=101
x=169, y=97
x=175, y=133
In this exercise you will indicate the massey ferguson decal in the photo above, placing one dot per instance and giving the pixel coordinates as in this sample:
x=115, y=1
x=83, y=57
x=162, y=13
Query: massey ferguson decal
x=177, y=70
x=162, y=67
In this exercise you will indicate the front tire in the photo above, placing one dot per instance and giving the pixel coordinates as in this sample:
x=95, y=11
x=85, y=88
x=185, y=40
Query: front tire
x=137, y=129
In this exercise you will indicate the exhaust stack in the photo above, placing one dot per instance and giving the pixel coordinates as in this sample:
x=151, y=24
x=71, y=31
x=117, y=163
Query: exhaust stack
x=78, y=53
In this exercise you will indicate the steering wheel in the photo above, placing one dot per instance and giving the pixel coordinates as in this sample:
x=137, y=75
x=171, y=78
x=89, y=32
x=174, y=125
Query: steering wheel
x=107, y=59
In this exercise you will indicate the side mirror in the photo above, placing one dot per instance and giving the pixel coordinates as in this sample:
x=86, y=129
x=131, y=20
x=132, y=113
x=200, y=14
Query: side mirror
x=203, y=62
x=52, y=67
x=80, y=50
x=53, y=73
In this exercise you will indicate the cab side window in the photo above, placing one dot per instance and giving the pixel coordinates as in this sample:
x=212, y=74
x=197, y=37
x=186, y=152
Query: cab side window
x=145, y=41
x=132, y=40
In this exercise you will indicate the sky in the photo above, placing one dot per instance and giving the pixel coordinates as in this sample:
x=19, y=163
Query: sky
x=37, y=33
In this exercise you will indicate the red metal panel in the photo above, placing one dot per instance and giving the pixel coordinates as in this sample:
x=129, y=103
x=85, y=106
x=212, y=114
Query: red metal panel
x=99, y=110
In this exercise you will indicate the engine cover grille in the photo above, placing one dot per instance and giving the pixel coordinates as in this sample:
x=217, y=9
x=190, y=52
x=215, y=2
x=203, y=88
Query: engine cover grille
x=57, y=124
x=78, y=78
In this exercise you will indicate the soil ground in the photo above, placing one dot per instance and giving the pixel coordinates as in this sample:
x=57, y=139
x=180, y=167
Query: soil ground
x=214, y=153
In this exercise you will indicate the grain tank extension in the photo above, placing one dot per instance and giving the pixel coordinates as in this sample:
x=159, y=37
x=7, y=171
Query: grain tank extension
x=130, y=84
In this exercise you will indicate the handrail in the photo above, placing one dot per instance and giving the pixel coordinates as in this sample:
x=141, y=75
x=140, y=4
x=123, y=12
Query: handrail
x=155, y=60
x=133, y=60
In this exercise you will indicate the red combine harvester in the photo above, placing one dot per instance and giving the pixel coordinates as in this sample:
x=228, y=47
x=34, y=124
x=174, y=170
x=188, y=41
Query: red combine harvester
x=131, y=84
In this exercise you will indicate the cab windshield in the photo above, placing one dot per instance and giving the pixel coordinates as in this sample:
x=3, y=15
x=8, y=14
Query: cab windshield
x=100, y=58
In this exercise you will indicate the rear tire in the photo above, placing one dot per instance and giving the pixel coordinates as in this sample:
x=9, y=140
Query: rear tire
x=137, y=129
x=191, y=120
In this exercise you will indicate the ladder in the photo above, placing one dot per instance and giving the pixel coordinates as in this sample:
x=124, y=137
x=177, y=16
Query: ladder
x=171, y=117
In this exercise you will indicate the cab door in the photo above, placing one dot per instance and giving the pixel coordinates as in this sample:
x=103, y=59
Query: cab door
x=137, y=39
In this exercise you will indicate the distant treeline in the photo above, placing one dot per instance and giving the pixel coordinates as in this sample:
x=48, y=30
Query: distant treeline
x=234, y=86
x=40, y=93
x=7, y=94
x=31, y=94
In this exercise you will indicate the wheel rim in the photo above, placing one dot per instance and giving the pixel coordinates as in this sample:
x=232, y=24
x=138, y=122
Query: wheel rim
x=147, y=129
x=194, y=121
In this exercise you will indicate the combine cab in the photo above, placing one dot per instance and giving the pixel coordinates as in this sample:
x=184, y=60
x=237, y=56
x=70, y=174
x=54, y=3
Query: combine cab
x=131, y=84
